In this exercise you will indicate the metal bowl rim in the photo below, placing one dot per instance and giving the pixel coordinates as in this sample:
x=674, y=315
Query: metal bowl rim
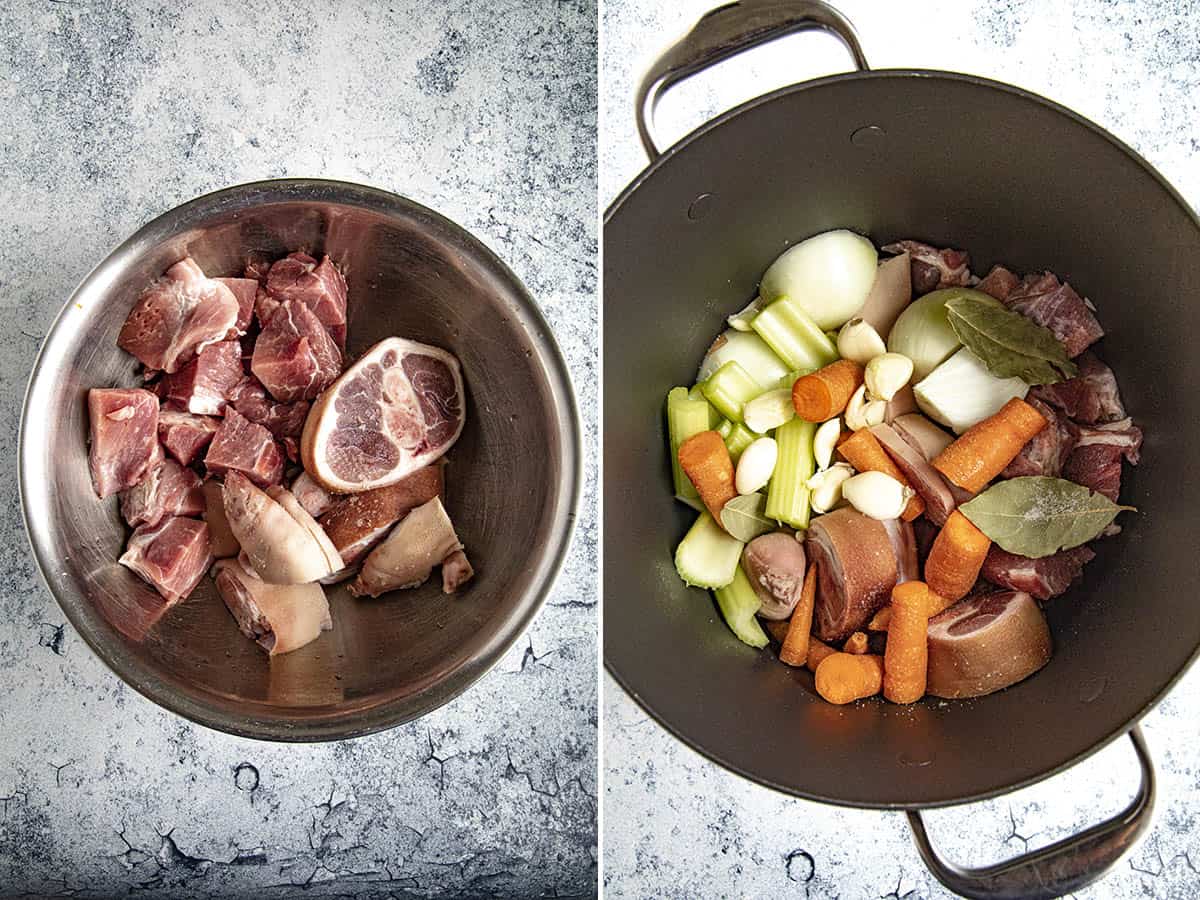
x=396, y=712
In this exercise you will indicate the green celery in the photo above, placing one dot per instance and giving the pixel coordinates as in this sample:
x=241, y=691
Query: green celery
x=794, y=336
x=686, y=416
x=738, y=439
x=729, y=389
x=787, y=493
x=708, y=555
x=739, y=605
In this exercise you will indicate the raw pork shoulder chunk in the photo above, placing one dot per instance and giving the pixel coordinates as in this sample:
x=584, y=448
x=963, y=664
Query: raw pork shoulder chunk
x=1044, y=578
x=396, y=410
x=280, y=617
x=245, y=290
x=294, y=357
x=319, y=287
x=170, y=490
x=179, y=315
x=283, y=420
x=203, y=386
x=124, y=438
x=172, y=556
x=183, y=434
x=934, y=267
x=1091, y=397
x=242, y=446
x=1096, y=460
x=1055, y=305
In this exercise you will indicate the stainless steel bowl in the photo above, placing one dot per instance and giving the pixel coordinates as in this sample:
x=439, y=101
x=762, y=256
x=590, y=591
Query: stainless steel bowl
x=512, y=482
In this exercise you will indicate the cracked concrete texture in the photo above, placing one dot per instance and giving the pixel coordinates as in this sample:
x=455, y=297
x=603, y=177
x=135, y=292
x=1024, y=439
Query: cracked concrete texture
x=112, y=114
x=676, y=825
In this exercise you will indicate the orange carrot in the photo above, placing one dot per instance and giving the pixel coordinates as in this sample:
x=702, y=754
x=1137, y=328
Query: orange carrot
x=934, y=605
x=956, y=558
x=937, y=603
x=863, y=451
x=907, y=654
x=856, y=643
x=795, y=646
x=987, y=447
x=705, y=460
x=817, y=651
x=776, y=628
x=824, y=394
x=845, y=677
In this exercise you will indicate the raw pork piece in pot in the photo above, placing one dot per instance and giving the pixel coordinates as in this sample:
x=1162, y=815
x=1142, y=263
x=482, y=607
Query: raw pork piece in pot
x=124, y=438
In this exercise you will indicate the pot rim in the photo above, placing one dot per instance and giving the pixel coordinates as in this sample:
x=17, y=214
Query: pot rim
x=880, y=74
x=355, y=722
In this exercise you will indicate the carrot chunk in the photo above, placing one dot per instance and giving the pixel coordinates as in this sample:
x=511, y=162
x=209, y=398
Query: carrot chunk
x=956, y=557
x=824, y=394
x=817, y=651
x=846, y=677
x=985, y=448
x=907, y=655
x=856, y=643
x=795, y=646
x=705, y=460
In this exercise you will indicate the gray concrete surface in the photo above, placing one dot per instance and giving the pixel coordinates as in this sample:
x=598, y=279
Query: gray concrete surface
x=674, y=824
x=112, y=112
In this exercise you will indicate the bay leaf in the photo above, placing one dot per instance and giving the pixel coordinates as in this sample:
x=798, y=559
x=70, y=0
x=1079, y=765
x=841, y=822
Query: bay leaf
x=1010, y=345
x=743, y=517
x=1037, y=516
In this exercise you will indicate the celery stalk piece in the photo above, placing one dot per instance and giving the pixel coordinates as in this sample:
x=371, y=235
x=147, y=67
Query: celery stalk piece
x=787, y=494
x=708, y=555
x=724, y=429
x=794, y=336
x=729, y=388
x=739, y=605
x=686, y=416
x=738, y=439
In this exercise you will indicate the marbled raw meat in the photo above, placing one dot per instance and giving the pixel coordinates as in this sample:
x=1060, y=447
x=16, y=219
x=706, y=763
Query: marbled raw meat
x=124, y=438
x=1055, y=305
x=177, y=316
x=933, y=267
x=319, y=286
x=204, y=385
x=1091, y=397
x=172, y=555
x=294, y=356
x=1045, y=577
x=170, y=490
x=184, y=434
x=243, y=446
x=1095, y=462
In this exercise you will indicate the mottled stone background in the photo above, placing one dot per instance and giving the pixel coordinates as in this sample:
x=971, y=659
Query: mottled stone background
x=677, y=826
x=113, y=112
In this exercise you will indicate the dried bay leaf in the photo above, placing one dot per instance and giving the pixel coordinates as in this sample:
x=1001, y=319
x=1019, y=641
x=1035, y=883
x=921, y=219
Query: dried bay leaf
x=1037, y=516
x=743, y=517
x=1009, y=344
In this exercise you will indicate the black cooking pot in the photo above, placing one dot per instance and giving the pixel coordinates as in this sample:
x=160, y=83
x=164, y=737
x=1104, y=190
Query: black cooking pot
x=953, y=160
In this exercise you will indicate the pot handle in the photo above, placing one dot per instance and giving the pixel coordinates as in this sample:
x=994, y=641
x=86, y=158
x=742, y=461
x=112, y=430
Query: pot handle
x=727, y=31
x=1060, y=868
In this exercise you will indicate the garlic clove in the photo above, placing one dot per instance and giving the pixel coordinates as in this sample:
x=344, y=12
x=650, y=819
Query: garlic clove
x=769, y=410
x=875, y=412
x=877, y=495
x=756, y=465
x=858, y=340
x=856, y=410
x=886, y=374
x=740, y=320
x=826, y=486
x=825, y=441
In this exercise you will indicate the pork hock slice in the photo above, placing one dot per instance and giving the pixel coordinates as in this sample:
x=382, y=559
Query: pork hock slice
x=358, y=522
x=172, y=556
x=775, y=564
x=407, y=556
x=856, y=571
x=279, y=617
x=456, y=571
x=220, y=536
x=925, y=479
x=124, y=438
x=279, y=549
x=397, y=409
x=984, y=643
